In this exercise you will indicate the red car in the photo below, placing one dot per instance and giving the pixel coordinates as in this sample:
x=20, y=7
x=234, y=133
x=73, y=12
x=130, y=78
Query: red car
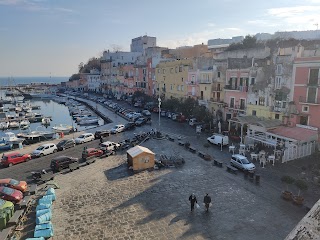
x=10, y=194
x=90, y=152
x=15, y=184
x=10, y=159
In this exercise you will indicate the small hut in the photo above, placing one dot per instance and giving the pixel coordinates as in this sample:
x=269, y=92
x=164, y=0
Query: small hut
x=140, y=158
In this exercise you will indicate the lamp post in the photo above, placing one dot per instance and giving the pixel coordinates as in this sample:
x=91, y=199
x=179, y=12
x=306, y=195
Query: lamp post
x=159, y=105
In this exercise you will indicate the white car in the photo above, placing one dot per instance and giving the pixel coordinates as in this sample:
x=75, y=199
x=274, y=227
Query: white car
x=110, y=146
x=218, y=139
x=241, y=162
x=85, y=137
x=44, y=149
x=117, y=128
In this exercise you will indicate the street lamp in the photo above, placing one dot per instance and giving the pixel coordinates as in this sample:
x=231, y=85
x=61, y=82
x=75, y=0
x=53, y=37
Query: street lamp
x=159, y=105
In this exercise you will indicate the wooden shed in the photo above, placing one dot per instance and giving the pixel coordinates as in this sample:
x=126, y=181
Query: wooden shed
x=140, y=158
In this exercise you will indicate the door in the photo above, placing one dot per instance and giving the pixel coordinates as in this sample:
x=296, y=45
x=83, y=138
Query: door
x=201, y=96
x=193, y=91
x=46, y=150
x=19, y=158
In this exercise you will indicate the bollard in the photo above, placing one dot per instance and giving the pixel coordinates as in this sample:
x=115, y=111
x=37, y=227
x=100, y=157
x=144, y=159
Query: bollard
x=257, y=178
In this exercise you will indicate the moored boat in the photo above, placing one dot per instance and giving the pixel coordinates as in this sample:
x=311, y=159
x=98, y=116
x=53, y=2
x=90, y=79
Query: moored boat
x=63, y=128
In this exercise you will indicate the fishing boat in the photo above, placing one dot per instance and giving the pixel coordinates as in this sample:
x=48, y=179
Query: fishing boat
x=14, y=124
x=5, y=146
x=30, y=137
x=63, y=128
x=46, y=121
x=84, y=117
x=12, y=138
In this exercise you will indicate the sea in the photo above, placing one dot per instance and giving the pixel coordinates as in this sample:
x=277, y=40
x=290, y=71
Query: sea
x=59, y=113
x=11, y=81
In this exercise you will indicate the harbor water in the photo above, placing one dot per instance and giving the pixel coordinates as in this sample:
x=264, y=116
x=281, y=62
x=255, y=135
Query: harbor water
x=58, y=113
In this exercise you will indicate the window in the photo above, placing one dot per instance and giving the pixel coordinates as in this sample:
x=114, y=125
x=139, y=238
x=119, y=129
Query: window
x=163, y=71
x=158, y=70
x=277, y=116
x=312, y=93
x=181, y=79
x=218, y=74
x=232, y=102
x=261, y=101
x=205, y=88
x=193, y=78
x=278, y=82
x=180, y=68
x=254, y=113
x=304, y=120
x=305, y=109
x=182, y=88
x=314, y=75
x=171, y=87
x=176, y=69
x=279, y=69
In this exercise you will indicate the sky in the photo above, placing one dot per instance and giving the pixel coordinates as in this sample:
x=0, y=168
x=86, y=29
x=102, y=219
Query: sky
x=51, y=37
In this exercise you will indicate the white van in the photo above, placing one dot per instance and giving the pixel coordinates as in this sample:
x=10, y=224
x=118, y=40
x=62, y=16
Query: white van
x=110, y=146
x=218, y=139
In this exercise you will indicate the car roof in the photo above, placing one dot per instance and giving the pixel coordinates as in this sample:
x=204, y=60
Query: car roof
x=11, y=154
x=119, y=125
x=91, y=149
x=46, y=144
x=83, y=134
x=239, y=156
x=5, y=180
x=59, y=157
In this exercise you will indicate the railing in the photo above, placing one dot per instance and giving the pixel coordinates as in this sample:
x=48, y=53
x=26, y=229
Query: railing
x=217, y=89
x=239, y=107
x=277, y=109
x=191, y=83
x=238, y=88
x=215, y=100
x=205, y=80
x=307, y=100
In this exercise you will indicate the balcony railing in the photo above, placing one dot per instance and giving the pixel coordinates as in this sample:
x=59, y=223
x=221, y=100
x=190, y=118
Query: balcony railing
x=238, y=88
x=307, y=100
x=237, y=106
x=191, y=83
x=205, y=81
x=216, y=100
x=216, y=89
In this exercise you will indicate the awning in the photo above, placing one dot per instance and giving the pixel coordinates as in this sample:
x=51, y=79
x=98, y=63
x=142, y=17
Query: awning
x=296, y=133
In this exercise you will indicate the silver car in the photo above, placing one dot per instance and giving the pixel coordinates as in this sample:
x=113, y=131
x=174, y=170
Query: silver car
x=241, y=162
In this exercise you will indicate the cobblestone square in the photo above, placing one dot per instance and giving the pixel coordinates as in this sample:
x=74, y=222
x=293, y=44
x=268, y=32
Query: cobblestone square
x=105, y=201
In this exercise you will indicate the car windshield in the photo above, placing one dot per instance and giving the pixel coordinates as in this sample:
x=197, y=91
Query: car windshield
x=14, y=182
x=245, y=161
x=81, y=136
x=40, y=148
x=7, y=190
x=4, y=157
x=62, y=142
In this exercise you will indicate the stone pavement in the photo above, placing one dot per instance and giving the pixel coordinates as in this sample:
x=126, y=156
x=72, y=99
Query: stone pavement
x=105, y=201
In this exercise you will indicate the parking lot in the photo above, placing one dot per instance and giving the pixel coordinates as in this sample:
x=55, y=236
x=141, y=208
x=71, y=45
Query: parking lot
x=105, y=201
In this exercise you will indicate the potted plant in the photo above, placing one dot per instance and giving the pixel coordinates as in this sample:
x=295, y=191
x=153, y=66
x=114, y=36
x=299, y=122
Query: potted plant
x=302, y=186
x=286, y=194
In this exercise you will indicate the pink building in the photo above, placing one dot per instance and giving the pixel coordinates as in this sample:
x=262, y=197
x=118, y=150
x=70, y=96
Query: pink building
x=140, y=78
x=150, y=77
x=128, y=82
x=192, y=84
x=306, y=92
x=236, y=89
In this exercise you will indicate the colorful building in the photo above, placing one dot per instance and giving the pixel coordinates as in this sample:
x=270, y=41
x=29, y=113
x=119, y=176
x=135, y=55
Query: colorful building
x=171, y=78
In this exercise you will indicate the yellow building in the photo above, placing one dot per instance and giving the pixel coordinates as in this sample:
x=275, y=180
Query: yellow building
x=171, y=78
x=265, y=112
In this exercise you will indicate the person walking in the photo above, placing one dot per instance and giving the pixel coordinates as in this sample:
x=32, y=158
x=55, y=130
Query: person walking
x=207, y=201
x=192, y=200
x=101, y=139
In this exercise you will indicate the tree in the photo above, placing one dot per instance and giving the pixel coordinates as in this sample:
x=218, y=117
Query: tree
x=80, y=66
x=188, y=106
x=249, y=42
x=172, y=104
x=288, y=181
x=301, y=185
x=74, y=77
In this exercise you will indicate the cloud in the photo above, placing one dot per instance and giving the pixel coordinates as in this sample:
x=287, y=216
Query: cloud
x=295, y=18
x=211, y=24
x=66, y=10
x=201, y=37
x=11, y=2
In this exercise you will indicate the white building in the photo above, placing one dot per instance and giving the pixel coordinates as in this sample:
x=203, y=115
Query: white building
x=121, y=58
x=94, y=81
x=139, y=44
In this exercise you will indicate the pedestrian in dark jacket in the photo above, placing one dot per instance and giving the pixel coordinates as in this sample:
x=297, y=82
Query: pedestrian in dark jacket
x=192, y=200
x=207, y=201
x=101, y=139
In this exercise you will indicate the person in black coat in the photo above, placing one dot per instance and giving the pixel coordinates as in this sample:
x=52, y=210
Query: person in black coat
x=207, y=201
x=192, y=200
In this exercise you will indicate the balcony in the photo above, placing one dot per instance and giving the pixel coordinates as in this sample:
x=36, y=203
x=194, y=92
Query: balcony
x=306, y=100
x=277, y=109
x=216, y=89
x=237, y=88
x=216, y=100
x=205, y=81
x=191, y=83
x=237, y=107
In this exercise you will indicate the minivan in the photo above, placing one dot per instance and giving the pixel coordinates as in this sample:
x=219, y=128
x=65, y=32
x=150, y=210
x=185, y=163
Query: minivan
x=62, y=162
x=66, y=143
x=218, y=139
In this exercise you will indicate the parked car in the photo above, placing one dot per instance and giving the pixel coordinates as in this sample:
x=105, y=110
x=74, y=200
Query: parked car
x=62, y=162
x=15, y=184
x=44, y=149
x=241, y=162
x=109, y=146
x=10, y=194
x=218, y=139
x=90, y=152
x=140, y=121
x=117, y=129
x=129, y=126
x=5, y=205
x=146, y=113
x=9, y=159
x=101, y=133
x=85, y=137
x=66, y=143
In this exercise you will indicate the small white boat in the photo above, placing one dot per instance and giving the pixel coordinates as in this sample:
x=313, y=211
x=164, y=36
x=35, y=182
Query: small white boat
x=12, y=138
x=4, y=125
x=46, y=121
x=62, y=128
x=14, y=124
x=88, y=121
x=18, y=109
x=24, y=124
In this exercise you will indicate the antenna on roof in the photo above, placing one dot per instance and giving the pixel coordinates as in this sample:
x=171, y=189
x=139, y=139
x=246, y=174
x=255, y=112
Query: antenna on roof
x=316, y=24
